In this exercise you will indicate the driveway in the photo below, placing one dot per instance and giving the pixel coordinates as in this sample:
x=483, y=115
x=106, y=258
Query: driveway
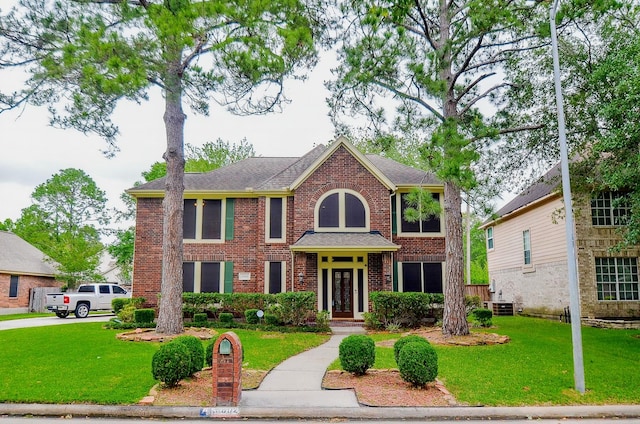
x=52, y=320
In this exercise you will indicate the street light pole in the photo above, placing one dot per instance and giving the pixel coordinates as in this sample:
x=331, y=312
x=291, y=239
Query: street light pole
x=574, y=291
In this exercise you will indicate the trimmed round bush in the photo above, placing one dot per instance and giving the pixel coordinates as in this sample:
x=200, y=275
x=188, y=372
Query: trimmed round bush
x=357, y=353
x=399, y=344
x=171, y=363
x=483, y=316
x=200, y=318
x=418, y=363
x=271, y=319
x=196, y=351
x=251, y=316
x=226, y=317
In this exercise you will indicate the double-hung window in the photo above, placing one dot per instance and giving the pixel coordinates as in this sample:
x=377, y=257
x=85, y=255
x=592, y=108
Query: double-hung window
x=208, y=219
x=526, y=241
x=276, y=214
x=489, y=238
x=13, y=286
x=423, y=277
x=207, y=277
x=275, y=274
x=617, y=278
x=610, y=209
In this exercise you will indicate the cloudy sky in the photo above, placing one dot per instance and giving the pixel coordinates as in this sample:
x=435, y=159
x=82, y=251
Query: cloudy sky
x=32, y=151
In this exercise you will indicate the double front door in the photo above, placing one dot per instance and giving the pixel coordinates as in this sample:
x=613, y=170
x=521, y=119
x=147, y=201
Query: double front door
x=342, y=293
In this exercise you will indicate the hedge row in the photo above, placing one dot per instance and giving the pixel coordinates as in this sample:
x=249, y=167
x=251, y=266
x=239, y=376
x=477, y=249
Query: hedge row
x=289, y=308
x=409, y=310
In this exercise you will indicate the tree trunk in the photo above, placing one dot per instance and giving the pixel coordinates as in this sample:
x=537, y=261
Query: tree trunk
x=170, y=320
x=454, y=320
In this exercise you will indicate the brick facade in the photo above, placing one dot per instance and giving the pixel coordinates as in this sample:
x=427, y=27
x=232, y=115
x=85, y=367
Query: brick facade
x=248, y=250
x=26, y=283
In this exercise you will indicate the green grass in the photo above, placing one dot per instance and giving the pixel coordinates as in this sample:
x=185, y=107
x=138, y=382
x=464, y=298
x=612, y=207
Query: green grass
x=536, y=367
x=11, y=317
x=84, y=363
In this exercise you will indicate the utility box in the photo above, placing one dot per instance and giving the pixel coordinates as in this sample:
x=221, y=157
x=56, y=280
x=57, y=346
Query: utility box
x=227, y=370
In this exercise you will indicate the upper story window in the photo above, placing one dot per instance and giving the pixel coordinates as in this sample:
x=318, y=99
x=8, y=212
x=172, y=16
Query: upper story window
x=276, y=213
x=610, y=208
x=526, y=241
x=430, y=225
x=342, y=210
x=208, y=219
x=489, y=238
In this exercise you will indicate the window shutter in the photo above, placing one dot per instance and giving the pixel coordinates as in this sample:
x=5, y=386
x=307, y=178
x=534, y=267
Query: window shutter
x=228, y=277
x=394, y=215
x=395, y=276
x=228, y=226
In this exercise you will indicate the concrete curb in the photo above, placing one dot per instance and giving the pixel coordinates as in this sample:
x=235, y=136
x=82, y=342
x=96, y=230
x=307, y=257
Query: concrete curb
x=369, y=413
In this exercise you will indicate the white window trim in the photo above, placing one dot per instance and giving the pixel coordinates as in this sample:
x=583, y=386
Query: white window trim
x=341, y=213
x=197, y=276
x=492, y=238
x=398, y=207
x=267, y=221
x=524, y=249
x=199, y=214
x=401, y=276
x=283, y=276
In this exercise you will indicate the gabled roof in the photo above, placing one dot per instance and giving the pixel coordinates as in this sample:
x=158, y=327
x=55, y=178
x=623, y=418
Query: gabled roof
x=285, y=174
x=343, y=142
x=545, y=186
x=20, y=258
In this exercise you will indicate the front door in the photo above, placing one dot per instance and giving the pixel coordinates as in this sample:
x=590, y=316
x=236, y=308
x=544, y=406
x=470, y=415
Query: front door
x=342, y=293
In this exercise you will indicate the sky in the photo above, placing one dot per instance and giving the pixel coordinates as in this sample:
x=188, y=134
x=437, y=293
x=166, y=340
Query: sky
x=32, y=151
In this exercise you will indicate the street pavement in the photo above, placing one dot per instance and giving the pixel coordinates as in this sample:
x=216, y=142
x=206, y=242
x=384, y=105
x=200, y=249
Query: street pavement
x=293, y=390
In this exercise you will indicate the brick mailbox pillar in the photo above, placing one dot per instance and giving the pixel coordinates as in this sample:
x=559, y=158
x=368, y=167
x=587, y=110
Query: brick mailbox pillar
x=227, y=370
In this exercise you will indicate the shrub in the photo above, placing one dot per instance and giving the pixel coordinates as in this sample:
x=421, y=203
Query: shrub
x=271, y=319
x=200, y=317
x=371, y=321
x=418, y=363
x=118, y=303
x=208, y=353
x=357, y=353
x=322, y=321
x=196, y=351
x=483, y=316
x=295, y=308
x=127, y=308
x=226, y=317
x=171, y=363
x=144, y=315
x=251, y=316
x=399, y=344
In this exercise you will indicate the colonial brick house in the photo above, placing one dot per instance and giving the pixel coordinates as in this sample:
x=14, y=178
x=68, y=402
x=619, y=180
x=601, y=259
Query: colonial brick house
x=330, y=222
x=527, y=255
x=23, y=268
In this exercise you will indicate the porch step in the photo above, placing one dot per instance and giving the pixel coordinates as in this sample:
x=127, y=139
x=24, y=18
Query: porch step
x=347, y=327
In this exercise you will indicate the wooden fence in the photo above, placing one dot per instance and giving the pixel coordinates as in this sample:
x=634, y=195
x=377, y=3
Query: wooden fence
x=480, y=290
x=38, y=298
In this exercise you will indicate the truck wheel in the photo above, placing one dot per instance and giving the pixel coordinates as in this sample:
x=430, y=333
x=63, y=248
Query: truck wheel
x=82, y=310
x=62, y=314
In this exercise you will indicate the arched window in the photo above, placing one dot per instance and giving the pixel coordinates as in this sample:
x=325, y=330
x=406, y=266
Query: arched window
x=342, y=210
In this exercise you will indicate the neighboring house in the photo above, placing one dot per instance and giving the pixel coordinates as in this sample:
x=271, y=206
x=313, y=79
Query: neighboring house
x=23, y=268
x=527, y=254
x=330, y=222
x=110, y=270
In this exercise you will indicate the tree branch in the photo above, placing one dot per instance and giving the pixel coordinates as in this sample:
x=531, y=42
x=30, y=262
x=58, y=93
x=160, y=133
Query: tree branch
x=407, y=96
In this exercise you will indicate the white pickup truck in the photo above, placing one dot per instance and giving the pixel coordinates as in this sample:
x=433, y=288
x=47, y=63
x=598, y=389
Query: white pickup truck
x=89, y=297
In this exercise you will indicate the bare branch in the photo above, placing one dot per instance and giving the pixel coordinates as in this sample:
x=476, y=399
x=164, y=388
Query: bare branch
x=409, y=97
x=482, y=96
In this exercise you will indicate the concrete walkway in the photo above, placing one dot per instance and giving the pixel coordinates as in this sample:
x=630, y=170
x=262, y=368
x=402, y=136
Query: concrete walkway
x=297, y=382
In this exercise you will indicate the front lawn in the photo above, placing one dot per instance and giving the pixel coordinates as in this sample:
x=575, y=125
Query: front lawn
x=536, y=367
x=84, y=363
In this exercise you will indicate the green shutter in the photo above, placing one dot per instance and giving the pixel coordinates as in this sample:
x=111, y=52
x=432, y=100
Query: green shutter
x=228, y=226
x=228, y=277
x=395, y=276
x=394, y=223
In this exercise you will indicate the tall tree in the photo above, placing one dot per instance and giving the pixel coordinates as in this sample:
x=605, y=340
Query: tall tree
x=438, y=61
x=65, y=222
x=82, y=56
